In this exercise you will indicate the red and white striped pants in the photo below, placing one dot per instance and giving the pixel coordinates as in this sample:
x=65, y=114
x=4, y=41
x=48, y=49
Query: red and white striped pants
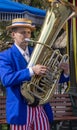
x=36, y=120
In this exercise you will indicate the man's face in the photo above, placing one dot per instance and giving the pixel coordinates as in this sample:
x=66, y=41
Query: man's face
x=20, y=34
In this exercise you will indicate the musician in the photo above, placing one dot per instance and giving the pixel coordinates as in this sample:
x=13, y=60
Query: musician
x=13, y=71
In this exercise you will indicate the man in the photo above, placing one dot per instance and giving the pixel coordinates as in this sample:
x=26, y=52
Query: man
x=13, y=72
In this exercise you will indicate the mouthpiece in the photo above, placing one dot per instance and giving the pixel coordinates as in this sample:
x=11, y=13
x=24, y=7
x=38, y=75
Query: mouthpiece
x=36, y=42
x=27, y=40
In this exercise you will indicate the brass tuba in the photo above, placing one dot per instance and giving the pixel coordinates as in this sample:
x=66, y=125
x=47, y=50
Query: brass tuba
x=40, y=89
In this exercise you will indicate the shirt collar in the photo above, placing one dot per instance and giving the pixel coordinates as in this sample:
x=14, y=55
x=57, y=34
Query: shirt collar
x=21, y=50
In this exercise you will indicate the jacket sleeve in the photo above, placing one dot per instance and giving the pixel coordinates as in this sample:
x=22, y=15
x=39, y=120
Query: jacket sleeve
x=10, y=77
x=63, y=78
x=48, y=110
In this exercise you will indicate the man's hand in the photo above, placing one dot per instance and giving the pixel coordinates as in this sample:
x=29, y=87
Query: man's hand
x=65, y=67
x=39, y=69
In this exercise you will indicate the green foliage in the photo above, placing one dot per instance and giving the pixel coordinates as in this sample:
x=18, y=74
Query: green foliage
x=4, y=127
x=4, y=36
x=35, y=3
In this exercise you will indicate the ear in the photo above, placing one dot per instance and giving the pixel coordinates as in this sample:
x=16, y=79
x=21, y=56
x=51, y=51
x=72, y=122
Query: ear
x=12, y=34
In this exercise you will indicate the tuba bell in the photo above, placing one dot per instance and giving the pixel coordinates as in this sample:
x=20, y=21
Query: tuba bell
x=41, y=88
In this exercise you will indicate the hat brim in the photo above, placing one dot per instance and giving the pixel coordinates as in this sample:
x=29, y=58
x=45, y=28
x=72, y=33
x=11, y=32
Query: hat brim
x=25, y=26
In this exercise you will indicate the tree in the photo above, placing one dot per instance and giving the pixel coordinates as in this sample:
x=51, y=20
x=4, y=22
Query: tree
x=35, y=3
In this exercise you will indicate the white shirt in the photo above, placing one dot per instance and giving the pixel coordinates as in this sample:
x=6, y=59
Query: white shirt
x=26, y=56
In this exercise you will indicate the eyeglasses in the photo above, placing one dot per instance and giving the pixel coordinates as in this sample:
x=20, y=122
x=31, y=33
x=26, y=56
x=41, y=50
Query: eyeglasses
x=25, y=32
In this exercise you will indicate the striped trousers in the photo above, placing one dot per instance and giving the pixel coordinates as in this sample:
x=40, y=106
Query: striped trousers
x=36, y=120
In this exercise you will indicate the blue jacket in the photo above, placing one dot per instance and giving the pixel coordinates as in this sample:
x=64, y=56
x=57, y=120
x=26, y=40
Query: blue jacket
x=12, y=72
